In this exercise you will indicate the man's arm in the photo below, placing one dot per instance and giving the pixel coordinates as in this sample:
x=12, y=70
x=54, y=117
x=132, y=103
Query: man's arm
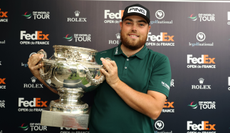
x=149, y=104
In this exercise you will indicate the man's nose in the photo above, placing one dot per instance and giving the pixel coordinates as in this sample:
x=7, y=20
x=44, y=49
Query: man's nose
x=134, y=27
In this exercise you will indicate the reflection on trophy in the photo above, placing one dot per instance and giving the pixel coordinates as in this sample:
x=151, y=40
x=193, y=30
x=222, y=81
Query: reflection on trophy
x=71, y=70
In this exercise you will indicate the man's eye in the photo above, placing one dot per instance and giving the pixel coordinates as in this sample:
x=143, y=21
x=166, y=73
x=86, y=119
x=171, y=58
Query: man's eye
x=141, y=24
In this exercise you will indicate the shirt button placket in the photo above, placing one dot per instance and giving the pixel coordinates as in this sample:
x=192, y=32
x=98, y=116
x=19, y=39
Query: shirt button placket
x=126, y=66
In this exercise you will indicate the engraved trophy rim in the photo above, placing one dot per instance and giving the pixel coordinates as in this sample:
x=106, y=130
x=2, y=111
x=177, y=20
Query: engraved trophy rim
x=74, y=47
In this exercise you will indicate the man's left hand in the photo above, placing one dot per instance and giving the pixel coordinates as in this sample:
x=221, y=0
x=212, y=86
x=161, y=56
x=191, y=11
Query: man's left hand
x=110, y=72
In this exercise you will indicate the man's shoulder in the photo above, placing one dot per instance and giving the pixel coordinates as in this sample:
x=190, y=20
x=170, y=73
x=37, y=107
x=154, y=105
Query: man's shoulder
x=107, y=52
x=104, y=54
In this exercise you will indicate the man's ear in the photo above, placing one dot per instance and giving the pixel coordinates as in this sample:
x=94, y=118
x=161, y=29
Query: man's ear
x=121, y=24
x=149, y=28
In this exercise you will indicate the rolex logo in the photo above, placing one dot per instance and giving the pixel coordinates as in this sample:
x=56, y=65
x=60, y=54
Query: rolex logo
x=118, y=36
x=201, y=80
x=77, y=13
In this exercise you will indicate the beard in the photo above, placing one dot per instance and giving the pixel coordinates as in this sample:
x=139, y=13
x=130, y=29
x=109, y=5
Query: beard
x=132, y=44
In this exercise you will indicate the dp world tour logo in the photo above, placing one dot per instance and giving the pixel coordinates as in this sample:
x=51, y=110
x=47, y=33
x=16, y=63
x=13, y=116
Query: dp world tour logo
x=193, y=18
x=24, y=127
x=193, y=106
x=28, y=16
x=68, y=38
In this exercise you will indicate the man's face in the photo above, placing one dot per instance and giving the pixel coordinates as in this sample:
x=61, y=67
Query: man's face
x=134, y=32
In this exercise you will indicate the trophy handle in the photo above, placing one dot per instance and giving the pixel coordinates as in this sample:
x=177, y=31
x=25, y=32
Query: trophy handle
x=44, y=75
x=42, y=52
x=96, y=81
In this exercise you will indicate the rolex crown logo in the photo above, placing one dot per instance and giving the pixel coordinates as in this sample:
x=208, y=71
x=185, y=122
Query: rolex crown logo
x=118, y=35
x=77, y=13
x=201, y=80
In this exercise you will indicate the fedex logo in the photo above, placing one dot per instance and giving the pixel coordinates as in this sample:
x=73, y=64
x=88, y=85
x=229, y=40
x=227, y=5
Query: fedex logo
x=203, y=126
x=168, y=104
x=36, y=36
x=163, y=37
x=204, y=59
x=3, y=14
x=36, y=102
x=111, y=15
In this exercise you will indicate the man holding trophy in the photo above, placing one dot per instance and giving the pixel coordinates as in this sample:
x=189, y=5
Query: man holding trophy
x=137, y=79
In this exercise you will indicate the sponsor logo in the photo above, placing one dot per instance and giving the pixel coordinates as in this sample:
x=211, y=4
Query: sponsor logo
x=25, y=64
x=228, y=17
x=172, y=83
x=229, y=83
x=72, y=130
x=0, y=63
x=159, y=125
x=33, y=84
x=203, y=126
x=24, y=127
x=168, y=107
x=201, y=86
x=193, y=106
x=201, y=62
x=37, y=127
x=201, y=37
x=79, y=37
x=2, y=104
x=37, y=15
x=37, y=38
x=27, y=15
x=204, y=105
x=76, y=18
x=136, y=9
x=3, y=42
x=3, y=16
x=113, y=18
x=115, y=42
x=68, y=38
x=31, y=106
x=192, y=17
x=203, y=17
x=160, y=40
x=2, y=83
x=160, y=14
x=34, y=127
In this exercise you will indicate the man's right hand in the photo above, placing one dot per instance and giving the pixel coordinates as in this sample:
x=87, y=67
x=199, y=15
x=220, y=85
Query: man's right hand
x=34, y=65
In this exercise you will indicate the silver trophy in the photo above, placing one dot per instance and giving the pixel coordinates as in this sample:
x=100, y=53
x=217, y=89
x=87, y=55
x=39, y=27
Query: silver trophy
x=72, y=71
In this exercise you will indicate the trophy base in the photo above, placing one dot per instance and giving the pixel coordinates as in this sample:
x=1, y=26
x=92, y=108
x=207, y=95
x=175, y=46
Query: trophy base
x=61, y=119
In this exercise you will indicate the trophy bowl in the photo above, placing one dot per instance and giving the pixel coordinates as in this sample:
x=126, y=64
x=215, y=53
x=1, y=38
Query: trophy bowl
x=71, y=71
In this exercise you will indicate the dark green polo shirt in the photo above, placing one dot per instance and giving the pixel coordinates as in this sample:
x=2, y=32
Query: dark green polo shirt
x=146, y=70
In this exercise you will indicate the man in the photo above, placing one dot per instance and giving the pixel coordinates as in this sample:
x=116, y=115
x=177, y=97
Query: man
x=137, y=80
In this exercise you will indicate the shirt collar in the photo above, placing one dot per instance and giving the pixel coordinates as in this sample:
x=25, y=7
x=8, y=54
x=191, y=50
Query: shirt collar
x=141, y=54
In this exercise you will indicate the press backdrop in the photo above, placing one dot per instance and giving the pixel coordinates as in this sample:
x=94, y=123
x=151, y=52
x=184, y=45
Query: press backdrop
x=194, y=35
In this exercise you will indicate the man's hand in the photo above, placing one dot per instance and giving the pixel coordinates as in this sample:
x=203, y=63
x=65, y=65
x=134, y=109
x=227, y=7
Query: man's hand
x=110, y=72
x=33, y=64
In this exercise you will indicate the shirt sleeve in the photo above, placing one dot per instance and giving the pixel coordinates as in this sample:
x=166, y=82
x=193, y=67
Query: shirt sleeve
x=161, y=76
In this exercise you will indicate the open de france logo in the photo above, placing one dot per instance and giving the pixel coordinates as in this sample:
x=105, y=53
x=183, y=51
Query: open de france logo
x=160, y=14
x=200, y=36
x=159, y=125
